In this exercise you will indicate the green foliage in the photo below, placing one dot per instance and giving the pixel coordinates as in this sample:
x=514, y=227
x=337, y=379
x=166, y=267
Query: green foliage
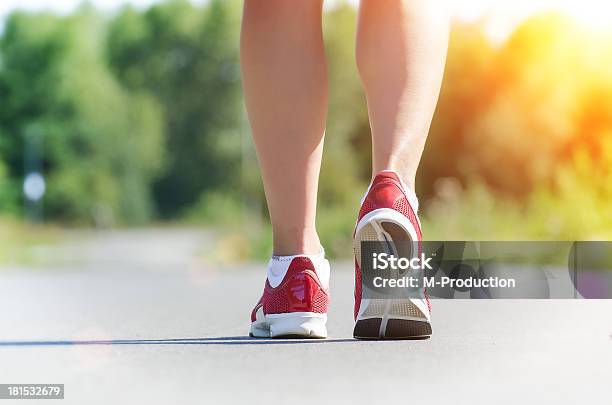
x=187, y=58
x=8, y=194
x=138, y=116
x=521, y=139
x=575, y=207
x=128, y=118
x=98, y=145
x=216, y=208
x=513, y=116
x=20, y=243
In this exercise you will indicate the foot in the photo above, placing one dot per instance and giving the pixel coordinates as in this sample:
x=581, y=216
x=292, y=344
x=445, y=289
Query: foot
x=388, y=212
x=295, y=298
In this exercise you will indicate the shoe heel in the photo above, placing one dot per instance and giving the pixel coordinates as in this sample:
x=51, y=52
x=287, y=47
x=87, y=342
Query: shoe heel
x=385, y=318
x=297, y=325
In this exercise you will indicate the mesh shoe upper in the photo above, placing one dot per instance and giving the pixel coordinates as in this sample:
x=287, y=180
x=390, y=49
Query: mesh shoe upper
x=300, y=290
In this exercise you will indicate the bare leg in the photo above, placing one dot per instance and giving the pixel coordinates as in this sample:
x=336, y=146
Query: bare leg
x=285, y=86
x=401, y=51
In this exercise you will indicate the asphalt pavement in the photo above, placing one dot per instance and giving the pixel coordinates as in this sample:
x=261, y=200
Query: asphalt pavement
x=177, y=333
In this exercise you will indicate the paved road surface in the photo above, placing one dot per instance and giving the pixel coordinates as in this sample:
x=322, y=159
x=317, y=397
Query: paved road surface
x=176, y=334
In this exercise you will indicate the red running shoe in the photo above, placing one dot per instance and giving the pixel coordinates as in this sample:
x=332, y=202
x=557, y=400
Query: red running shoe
x=388, y=213
x=295, y=299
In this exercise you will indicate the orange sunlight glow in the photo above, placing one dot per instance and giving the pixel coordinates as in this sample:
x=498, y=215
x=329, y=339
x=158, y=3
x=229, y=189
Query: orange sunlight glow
x=502, y=17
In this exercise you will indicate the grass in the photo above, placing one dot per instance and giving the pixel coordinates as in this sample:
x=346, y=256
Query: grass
x=576, y=209
x=19, y=240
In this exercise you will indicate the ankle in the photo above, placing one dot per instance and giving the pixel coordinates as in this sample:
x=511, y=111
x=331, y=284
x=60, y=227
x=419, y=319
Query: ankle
x=402, y=164
x=295, y=242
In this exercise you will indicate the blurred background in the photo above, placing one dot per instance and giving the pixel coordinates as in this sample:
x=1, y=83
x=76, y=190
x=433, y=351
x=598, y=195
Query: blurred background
x=122, y=124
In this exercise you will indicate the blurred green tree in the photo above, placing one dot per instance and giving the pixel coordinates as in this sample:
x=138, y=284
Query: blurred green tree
x=187, y=58
x=100, y=146
x=138, y=116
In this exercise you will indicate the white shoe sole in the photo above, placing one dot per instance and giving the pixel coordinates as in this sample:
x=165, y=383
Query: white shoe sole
x=291, y=325
x=406, y=318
